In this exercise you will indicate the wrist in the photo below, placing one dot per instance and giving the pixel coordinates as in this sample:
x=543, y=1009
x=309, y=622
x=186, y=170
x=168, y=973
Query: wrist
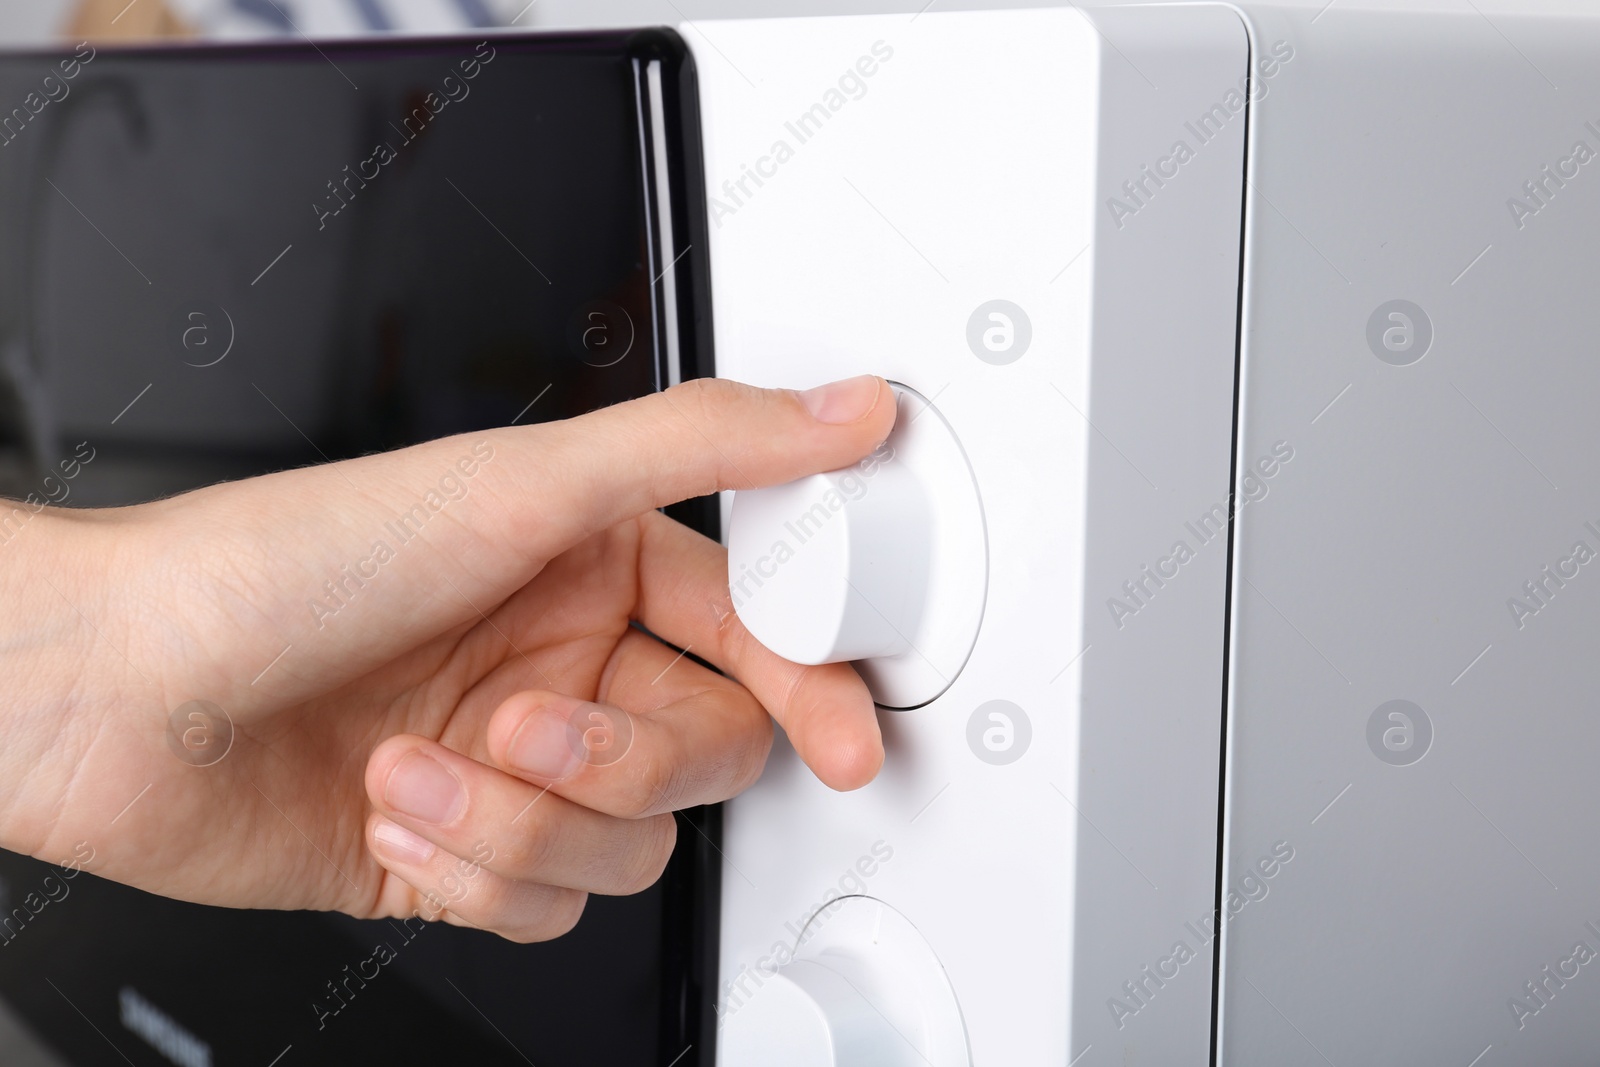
x=59, y=659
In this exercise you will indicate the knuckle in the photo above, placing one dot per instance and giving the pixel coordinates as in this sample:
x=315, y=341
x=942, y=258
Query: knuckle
x=709, y=405
x=793, y=692
x=490, y=898
x=644, y=864
x=694, y=401
x=557, y=915
x=739, y=646
x=709, y=398
x=742, y=744
x=753, y=757
x=734, y=640
x=534, y=845
x=565, y=912
x=652, y=787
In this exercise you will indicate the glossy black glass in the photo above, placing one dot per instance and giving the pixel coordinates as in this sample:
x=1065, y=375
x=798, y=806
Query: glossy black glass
x=221, y=261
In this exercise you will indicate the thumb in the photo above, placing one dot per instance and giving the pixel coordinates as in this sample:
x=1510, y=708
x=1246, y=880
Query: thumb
x=696, y=438
x=295, y=535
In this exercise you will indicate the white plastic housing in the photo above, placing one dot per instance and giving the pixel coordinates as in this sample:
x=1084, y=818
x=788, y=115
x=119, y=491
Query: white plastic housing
x=863, y=987
x=1443, y=878
x=1398, y=529
x=926, y=199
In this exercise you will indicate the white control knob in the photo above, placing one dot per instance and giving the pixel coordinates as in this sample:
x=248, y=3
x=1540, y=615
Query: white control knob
x=863, y=990
x=884, y=563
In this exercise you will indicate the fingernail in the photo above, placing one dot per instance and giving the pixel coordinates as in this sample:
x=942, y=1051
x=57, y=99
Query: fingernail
x=542, y=748
x=401, y=845
x=841, y=402
x=422, y=788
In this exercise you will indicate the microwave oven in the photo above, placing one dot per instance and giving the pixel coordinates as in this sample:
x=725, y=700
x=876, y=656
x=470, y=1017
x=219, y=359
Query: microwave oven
x=1221, y=583
x=1237, y=621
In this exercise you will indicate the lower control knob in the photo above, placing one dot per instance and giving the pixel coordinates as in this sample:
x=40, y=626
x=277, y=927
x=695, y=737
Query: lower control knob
x=863, y=990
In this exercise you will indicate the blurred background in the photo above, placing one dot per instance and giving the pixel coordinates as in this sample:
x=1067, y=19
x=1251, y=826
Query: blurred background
x=30, y=21
x=24, y=22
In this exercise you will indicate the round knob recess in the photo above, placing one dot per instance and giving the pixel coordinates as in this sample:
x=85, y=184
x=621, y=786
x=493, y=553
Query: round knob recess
x=884, y=563
x=863, y=988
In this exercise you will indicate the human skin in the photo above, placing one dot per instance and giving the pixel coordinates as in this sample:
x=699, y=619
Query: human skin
x=406, y=749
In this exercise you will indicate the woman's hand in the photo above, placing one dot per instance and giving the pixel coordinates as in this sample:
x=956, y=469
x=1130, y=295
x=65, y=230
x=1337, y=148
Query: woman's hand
x=412, y=683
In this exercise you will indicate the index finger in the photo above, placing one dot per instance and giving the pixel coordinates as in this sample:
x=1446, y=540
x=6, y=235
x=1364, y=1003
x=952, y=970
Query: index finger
x=826, y=710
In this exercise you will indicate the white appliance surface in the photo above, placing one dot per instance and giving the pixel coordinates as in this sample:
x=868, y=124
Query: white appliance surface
x=1439, y=904
x=1408, y=801
x=1048, y=824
